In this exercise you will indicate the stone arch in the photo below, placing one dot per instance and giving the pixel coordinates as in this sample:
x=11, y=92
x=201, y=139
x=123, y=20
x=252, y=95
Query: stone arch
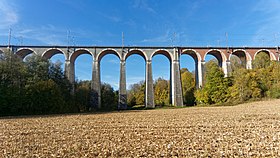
x=23, y=52
x=196, y=57
x=169, y=56
x=193, y=53
x=107, y=51
x=51, y=52
x=164, y=52
x=136, y=51
x=271, y=55
x=218, y=54
x=79, y=52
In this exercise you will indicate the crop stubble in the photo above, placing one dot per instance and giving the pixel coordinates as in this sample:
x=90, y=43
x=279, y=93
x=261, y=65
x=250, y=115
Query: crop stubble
x=251, y=129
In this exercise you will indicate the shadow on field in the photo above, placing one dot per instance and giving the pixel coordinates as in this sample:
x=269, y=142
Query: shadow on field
x=138, y=108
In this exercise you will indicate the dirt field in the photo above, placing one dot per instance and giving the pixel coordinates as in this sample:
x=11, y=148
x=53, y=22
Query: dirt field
x=244, y=130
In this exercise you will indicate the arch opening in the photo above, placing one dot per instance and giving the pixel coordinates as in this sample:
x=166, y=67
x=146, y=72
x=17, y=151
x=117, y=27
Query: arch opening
x=214, y=53
x=24, y=53
x=262, y=59
x=51, y=52
x=83, y=67
x=136, y=52
x=189, y=76
x=107, y=52
x=270, y=54
x=164, y=53
x=77, y=53
x=135, y=83
x=238, y=59
x=109, y=77
x=161, y=70
x=58, y=59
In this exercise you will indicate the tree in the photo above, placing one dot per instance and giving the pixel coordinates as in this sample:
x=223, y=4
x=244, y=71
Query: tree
x=188, y=86
x=236, y=63
x=108, y=97
x=82, y=95
x=161, y=92
x=12, y=82
x=262, y=60
x=136, y=94
x=215, y=90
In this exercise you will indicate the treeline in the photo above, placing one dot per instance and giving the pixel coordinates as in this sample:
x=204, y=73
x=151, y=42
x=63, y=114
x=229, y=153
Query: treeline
x=263, y=81
x=38, y=86
x=136, y=92
x=243, y=85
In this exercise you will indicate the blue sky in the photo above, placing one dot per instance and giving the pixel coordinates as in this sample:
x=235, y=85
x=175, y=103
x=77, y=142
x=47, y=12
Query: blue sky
x=144, y=23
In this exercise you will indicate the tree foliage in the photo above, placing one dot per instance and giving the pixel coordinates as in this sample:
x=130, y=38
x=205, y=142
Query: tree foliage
x=188, y=86
x=136, y=94
x=109, y=98
x=262, y=60
x=161, y=92
x=215, y=90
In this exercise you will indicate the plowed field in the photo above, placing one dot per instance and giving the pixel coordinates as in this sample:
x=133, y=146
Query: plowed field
x=251, y=129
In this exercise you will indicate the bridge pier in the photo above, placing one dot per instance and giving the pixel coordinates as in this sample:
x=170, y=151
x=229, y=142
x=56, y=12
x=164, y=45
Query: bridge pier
x=149, y=95
x=96, y=86
x=69, y=71
x=249, y=64
x=200, y=73
x=225, y=67
x=122, y=104
x=177, y=93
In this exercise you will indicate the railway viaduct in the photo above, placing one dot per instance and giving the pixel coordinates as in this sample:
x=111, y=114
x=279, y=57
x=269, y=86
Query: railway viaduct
x=223, y=55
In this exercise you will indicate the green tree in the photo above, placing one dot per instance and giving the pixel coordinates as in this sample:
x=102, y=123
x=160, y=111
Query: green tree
x=215, y=90
x=12, y=83
x=188, y=86
x=82, y=95
x=108, y=97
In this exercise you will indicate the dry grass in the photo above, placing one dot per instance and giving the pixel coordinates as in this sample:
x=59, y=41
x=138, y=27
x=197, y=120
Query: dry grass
x=245, y=130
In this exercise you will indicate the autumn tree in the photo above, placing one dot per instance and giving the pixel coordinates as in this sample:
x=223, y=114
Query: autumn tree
x=262, y=60
x=136, y=94
x=188, y=86
x=161, y=92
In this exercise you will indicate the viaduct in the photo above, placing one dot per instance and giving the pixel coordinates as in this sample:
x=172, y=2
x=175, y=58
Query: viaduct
x=223, y=55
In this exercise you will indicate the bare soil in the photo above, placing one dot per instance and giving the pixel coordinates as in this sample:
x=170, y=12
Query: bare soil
x=247, y=130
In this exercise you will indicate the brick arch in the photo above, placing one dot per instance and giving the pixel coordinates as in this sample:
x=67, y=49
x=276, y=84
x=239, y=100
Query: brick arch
x=242, y=55
x=79, y=52
x=193, y=53
x=23, y=52
x=51, y=52
x=246, y=54
x=107, y=51
x=164, y=52
x=271, y=55
x=137, y=51
x=218, y=54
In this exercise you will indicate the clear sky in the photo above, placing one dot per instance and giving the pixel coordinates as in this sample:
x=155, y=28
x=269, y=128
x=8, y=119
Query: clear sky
x=144, y=23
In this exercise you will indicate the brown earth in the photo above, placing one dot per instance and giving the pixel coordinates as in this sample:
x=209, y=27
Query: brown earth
x=247, y=130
